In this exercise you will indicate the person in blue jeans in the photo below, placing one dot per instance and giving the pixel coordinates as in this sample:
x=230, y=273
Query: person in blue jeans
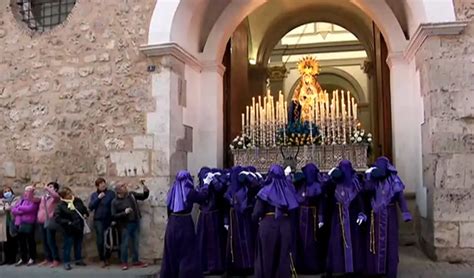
x=70, y=214
x=126, y=213
x=101, y=204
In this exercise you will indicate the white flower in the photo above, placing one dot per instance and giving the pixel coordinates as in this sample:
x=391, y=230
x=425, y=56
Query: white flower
x=359, y=139
x=369, y=135
x=352, y=138
x=369, y=139
x=240, y=143
x=244, y=147
x=231, y=147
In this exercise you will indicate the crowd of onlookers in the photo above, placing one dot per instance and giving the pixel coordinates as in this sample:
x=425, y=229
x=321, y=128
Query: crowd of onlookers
x=53, y=209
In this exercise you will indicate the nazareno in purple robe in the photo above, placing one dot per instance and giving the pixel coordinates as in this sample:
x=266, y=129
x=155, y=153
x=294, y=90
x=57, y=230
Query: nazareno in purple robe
x=180, y=255
x=310, y=244
x=386, y=189
x=211, y=232
x=274, y=245
x=241, y=235
x=346, y=242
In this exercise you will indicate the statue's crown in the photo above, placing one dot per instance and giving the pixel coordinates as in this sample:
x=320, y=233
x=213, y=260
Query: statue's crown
x=308, y=65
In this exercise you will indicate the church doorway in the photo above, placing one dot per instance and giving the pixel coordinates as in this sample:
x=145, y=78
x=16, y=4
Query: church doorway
x=349, y=62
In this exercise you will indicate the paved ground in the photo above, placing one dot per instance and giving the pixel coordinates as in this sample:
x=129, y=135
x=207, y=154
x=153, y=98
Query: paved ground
x=92, y=271
x=413, y=264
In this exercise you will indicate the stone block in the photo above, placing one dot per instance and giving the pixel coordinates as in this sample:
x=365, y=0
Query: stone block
x=9, y=169
x=452, y=204
x=114, y=144
x=460, y=171
x=446, y=234
x=466, y=234
x=448, y=143
x=454, y=255
x=143, y=142
x=45, y=144
x=132, y=163
x=101, y=166
x=160, y=163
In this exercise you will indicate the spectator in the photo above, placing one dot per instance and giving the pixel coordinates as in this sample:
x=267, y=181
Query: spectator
x=48, y=225
x=126, y=212
x=71, y=214
x=25, y=212
x=7, y=236
x=101, y=204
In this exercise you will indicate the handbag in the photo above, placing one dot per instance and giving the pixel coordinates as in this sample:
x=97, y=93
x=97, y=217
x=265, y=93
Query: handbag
x=87, y=229
x=12, y=228
x=26, y=228
x=50, y=223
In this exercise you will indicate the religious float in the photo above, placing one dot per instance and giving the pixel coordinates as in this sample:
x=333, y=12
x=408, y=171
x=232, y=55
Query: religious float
x=315, y=127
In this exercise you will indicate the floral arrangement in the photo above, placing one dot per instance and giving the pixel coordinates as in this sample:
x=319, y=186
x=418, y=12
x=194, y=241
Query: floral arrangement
x=241, y=142
x=360, y=136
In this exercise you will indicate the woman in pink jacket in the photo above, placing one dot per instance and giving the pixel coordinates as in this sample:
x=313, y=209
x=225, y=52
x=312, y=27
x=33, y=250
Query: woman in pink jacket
x=48, y=225
x=25, y=212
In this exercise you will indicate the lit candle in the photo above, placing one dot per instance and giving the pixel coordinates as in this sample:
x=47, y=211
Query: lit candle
x=251, y=116
x=243, y=123
x=285, y=113
x=277, y=111
x=352, y=104
x=342, y=102
x=355, y=111
x=247, y=113
x=348, y=103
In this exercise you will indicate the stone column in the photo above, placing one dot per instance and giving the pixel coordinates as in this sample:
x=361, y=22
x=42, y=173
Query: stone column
x=406, y=120
x=445, y=68
x=211, y=115
x=166, y=139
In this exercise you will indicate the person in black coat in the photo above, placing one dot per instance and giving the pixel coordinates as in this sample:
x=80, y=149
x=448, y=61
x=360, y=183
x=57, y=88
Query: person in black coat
x=126, y=212
x=101, y=204
x=71, y=214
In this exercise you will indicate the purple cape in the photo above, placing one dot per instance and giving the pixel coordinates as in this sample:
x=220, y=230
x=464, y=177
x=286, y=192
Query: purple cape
x=177, y=196
x=278, y=191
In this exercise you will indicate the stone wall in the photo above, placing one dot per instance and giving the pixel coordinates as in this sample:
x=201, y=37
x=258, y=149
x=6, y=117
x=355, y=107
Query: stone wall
x=74, y=104
x=446, y=66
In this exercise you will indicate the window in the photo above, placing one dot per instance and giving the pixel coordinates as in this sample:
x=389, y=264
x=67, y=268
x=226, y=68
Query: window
x=42, y=15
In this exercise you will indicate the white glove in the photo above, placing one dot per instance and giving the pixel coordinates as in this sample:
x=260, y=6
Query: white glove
x=368, y=171
x=208, y=178
x=287, y=170
x=332, y=170
x=359, y=221
x=226, y=227
x=320, y=224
